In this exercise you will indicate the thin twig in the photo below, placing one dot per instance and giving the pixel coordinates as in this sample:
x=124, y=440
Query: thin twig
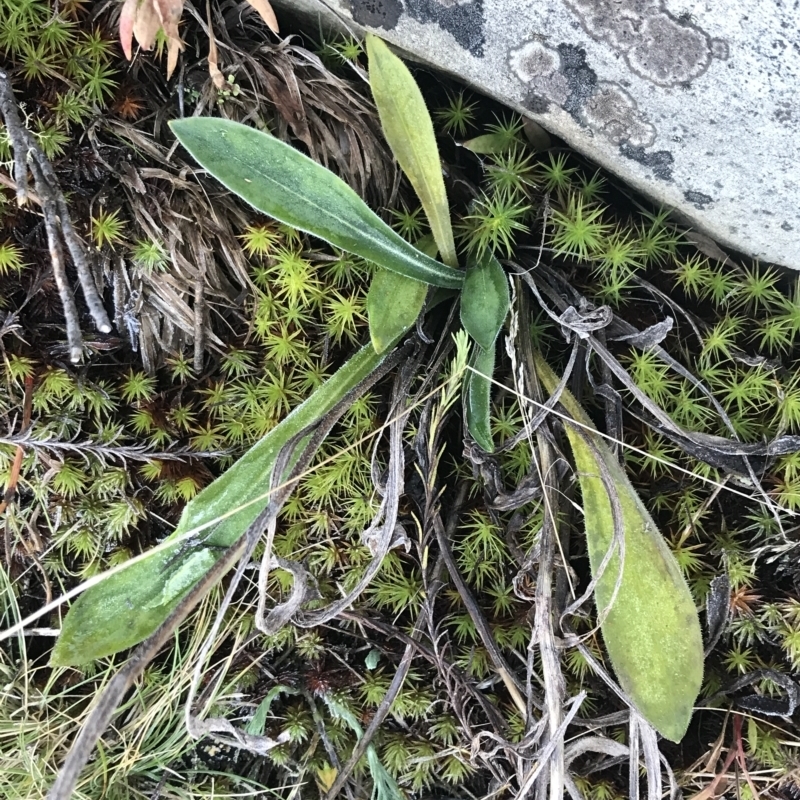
x=377, y=720
x=27, y=153
x=74, y=339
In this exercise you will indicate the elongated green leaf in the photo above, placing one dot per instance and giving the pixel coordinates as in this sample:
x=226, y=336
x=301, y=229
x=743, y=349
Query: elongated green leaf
x=484, y=299
x=128, y=606
x=283, y=183
x=478, y=397
x=489, y=144
x=393, y=305
x=652, y=631
x=409, y=131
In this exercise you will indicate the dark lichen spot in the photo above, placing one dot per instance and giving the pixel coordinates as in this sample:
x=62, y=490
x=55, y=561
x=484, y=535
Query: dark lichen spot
x=536, y=103
x=614, y=113
x=786, y=227
x=656, y=45
x=660, y=161
x=698, y=199
x=719, y=49
x=464, y=21
x=580, y=77
x=376, y=13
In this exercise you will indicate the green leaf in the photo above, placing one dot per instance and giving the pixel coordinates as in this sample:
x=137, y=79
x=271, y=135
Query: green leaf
x=489, y=144
x=484, y=299
x=281, y=182
x=393, y=304
x=652, y=631
x=409, y=131
x=128, y=606
x=478, y=397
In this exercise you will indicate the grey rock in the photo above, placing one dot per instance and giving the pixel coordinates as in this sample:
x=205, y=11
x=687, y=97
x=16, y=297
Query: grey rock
x=697, y=106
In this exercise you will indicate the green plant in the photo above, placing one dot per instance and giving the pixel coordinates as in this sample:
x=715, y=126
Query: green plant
x=146, y=253
x=458, y=116
x=556, y=176
x=107, y=228
x=11, y=259
x=138, y=387
x=659, y=239
x=346, y=48
x=511, y=171
x=493, y=221
x=275, y=363
x=579, y=230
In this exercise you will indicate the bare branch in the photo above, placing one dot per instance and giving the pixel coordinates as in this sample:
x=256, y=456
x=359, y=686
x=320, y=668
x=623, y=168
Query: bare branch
x=27, y=153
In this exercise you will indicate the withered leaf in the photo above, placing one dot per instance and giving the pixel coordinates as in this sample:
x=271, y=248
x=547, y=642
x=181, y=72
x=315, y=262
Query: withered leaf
x=142, y=19
x=266, y=13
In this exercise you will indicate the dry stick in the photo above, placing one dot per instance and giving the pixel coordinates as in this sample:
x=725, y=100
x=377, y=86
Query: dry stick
x=16, y=133
x=199, y=311
x=76, y=250
x=484, y=631
x=7, y=181
x=554, y=688
x=380, y=715
x=543, y=633
x=633, y=757
x=74, y=338
x=548, y=752
x=54, y=207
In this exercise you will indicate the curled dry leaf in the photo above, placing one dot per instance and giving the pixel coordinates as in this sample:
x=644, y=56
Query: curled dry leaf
x=143, y=19
x=213, y=57
x=266, y=13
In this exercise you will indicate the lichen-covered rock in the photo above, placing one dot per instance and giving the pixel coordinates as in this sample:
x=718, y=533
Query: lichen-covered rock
x=697, y=109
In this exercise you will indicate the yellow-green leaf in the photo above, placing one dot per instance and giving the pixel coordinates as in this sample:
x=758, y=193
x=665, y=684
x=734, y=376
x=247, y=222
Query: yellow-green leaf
x=326, y=775
x=489, y=144
x=409, y=131
x=393, y=304
x=652, y=631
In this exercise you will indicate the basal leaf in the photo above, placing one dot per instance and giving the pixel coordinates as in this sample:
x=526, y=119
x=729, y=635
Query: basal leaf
x=652, y=631
x=484, y=299
x=287, y=185
x=128, y=606
x=478, y=397
x=409, y=131
x=393, y=304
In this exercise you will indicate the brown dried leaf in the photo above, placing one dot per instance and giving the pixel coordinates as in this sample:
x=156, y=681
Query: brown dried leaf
x=169, y=12
x=146, y=24
x=126, y=26
x=266, y=13
x=175, y=46
x=213, y=56
x=142, y=19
